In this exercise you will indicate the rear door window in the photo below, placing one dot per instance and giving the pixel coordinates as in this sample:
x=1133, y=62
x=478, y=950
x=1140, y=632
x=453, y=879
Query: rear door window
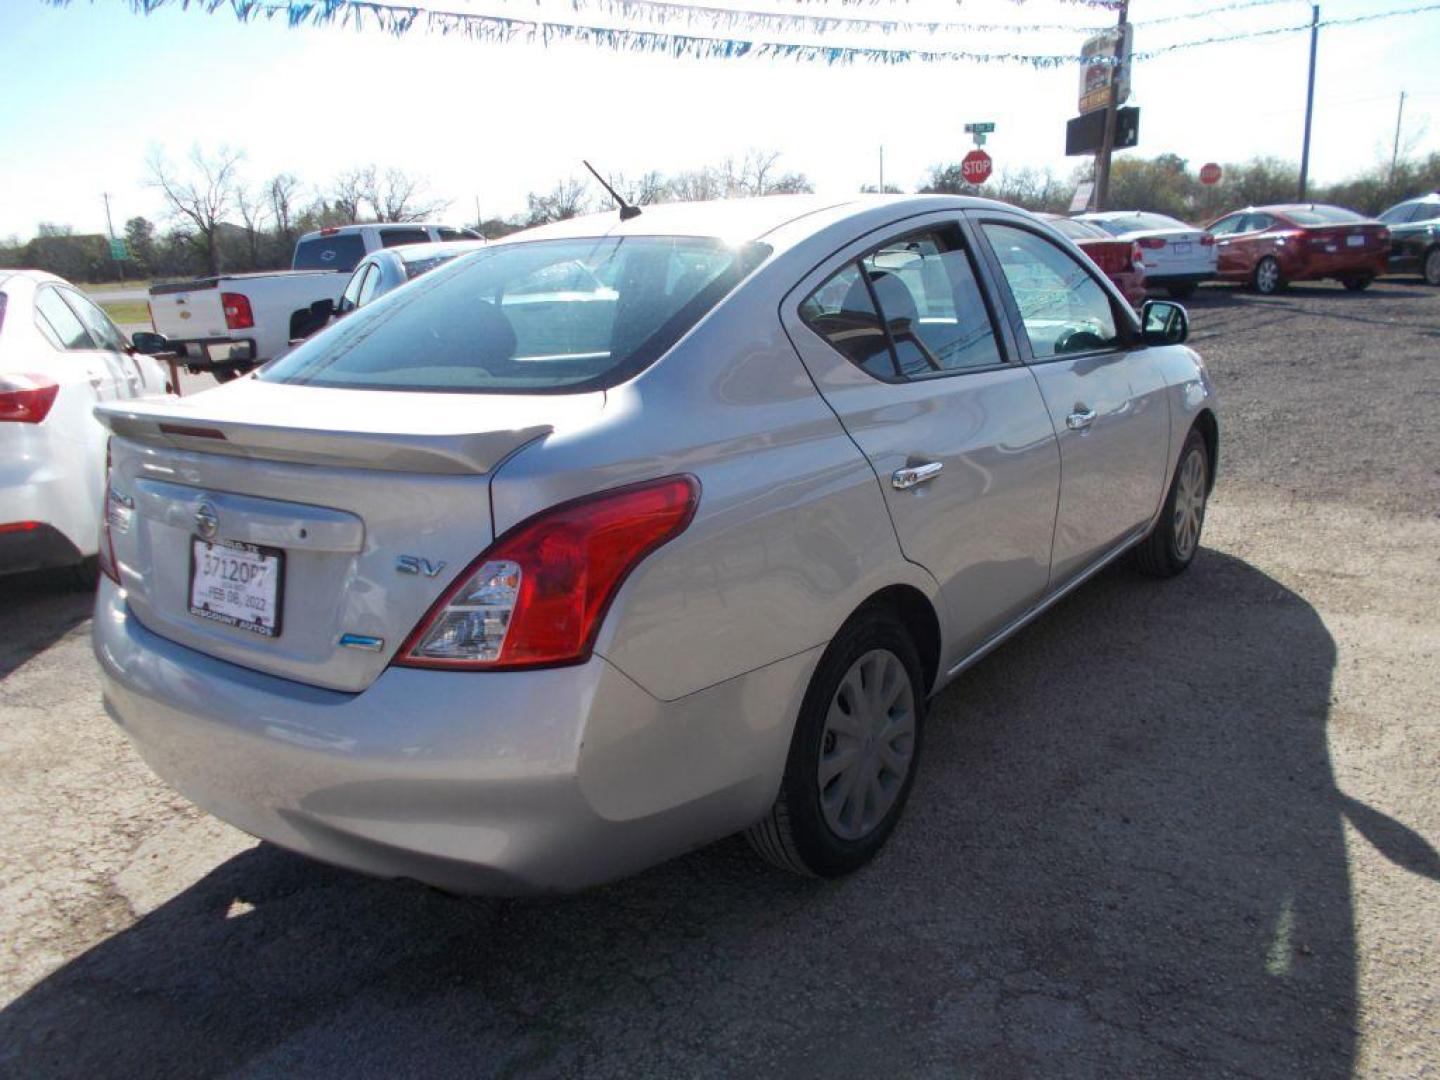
x=395, y=237
x=342, y=251
x=843, y=312
x=1063, y=308
x=58, y=323
x=103, y=332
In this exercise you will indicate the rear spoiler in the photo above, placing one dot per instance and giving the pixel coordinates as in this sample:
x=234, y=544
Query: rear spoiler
x=174, y=426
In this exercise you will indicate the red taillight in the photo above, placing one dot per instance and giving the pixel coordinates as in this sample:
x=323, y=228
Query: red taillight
x=537, y=596
x=19, y=526
x=26, y=399
x=1206, y=240
x=238, y=315
x=1152, y=242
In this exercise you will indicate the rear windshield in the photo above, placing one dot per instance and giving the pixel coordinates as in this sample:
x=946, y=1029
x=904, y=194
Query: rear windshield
x=1137, y=223
x=1077, y=230
x=543, y=316
x=342, y=252
x=1323, y=215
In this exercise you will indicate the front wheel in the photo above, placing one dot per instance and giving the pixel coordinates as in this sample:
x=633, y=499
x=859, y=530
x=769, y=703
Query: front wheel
x=1266, y=278
x=1431, y=266
x=1170, y=547
x=853, y=755
x=1356, y=284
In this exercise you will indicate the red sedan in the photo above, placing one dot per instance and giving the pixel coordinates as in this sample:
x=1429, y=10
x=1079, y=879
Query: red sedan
x=1122, y=260
x=1270, y=246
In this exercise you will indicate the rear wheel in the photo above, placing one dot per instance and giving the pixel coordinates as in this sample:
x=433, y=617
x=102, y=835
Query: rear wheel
x=853, y=755
x=1431, y=266
x=1356, y=284
x=1170, y=548
x=1266, y=278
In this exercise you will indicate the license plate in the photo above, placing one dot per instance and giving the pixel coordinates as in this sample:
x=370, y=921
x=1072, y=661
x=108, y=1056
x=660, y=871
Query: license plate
x=1181, y=248
x=237, y=584
x=1355, y=241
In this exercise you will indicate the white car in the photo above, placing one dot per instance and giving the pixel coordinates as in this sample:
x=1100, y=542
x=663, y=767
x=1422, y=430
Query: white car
x=1177, y=256
x=60, y=356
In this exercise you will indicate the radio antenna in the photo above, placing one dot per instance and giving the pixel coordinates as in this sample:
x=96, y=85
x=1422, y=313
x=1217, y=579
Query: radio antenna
x=626, y=210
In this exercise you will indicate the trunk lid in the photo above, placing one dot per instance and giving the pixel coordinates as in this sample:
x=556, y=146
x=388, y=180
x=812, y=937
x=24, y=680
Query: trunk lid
x=341, y=483
x=189, y=310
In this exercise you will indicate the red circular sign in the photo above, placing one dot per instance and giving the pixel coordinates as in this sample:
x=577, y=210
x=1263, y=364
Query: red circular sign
x=1210, y=173
x=975, y=168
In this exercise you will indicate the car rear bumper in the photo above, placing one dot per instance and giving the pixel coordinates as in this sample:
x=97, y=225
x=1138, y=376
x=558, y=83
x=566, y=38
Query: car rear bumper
x=1162, y=279
x=1338, y=264
x=497, y=783
x=215, y=352
x=34, y=545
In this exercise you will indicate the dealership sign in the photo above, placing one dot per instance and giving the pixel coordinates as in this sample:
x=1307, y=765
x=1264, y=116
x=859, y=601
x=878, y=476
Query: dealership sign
x=1105, y=59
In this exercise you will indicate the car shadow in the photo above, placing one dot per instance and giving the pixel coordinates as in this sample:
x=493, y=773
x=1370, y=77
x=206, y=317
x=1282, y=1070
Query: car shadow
x=1123, y=856
x=37, y=609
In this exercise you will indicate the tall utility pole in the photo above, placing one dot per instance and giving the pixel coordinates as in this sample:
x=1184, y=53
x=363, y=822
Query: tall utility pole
x=1309, y=99
x=1107, y=142
x=882, y=170
x=1395, y=153
x=110, y=227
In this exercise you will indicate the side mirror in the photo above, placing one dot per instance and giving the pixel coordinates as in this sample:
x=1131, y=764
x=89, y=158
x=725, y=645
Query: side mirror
x=323, y=309
x=149, y=343
x=1164, y=323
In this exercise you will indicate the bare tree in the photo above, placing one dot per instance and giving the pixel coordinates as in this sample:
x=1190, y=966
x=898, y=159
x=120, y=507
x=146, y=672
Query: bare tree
x=565, y=200
x=349, y=190
x=651, y=187
x=696, y=185
x=202, y=196
x=395, y=195
x=282, y=192
x=254, y=208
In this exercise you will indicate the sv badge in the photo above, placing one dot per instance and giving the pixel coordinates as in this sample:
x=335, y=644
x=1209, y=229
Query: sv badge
x=413, y=564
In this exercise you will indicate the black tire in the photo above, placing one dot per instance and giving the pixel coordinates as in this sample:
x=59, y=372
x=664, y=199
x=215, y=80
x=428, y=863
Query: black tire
x=1163, y=553
x=1430, y=266
x=1180, y=292
x=85, y=574
x=795, y=835
x=1266, y=278
x=1356, y=284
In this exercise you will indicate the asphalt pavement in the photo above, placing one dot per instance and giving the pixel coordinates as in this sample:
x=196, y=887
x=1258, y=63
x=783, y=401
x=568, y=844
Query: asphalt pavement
x=1172, y=829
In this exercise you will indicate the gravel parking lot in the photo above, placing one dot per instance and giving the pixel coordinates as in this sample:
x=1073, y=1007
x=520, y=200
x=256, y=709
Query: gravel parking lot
x=1171, y=829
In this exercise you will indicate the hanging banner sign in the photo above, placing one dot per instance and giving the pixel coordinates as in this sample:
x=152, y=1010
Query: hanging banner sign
x=1105, y=59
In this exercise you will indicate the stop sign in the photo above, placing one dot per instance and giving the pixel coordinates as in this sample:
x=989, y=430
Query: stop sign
x=1210, y=173
x=975, y=168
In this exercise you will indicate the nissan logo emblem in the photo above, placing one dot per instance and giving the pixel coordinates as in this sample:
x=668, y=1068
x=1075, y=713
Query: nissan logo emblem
x=207, y=521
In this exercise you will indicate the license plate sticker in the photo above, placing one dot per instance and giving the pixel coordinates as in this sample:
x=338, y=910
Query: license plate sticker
x=1181, y=248
x=1355, y=241
x=237, y=584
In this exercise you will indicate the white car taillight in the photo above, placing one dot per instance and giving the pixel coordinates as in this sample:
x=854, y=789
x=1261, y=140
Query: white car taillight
x=537, y=596
x=115, y=516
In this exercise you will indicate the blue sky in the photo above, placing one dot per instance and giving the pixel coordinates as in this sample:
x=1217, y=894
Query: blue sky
x=91, y=87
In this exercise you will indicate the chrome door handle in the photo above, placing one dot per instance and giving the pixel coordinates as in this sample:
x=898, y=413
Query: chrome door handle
x=910, y=475
x=1080, y=419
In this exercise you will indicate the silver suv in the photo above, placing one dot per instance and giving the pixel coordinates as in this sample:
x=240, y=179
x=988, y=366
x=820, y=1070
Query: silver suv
x=620, y=536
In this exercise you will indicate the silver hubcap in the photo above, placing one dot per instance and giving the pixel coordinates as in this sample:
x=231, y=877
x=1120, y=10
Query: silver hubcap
x=868, y=744
x=1432, y=267
x=1190, y=504
x=1267, y=274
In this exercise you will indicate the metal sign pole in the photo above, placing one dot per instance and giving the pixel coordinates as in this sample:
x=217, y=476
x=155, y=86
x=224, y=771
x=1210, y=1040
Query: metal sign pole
x=1309, y=100
x=1107, y=142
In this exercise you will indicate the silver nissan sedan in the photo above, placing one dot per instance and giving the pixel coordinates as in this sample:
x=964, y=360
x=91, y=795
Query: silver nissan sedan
x=621, y=536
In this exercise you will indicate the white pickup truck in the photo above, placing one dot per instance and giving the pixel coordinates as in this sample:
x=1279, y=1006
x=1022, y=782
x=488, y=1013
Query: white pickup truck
x=234, y=322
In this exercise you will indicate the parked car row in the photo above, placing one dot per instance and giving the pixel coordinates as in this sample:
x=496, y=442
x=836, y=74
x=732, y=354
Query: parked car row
x=1267, y=247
